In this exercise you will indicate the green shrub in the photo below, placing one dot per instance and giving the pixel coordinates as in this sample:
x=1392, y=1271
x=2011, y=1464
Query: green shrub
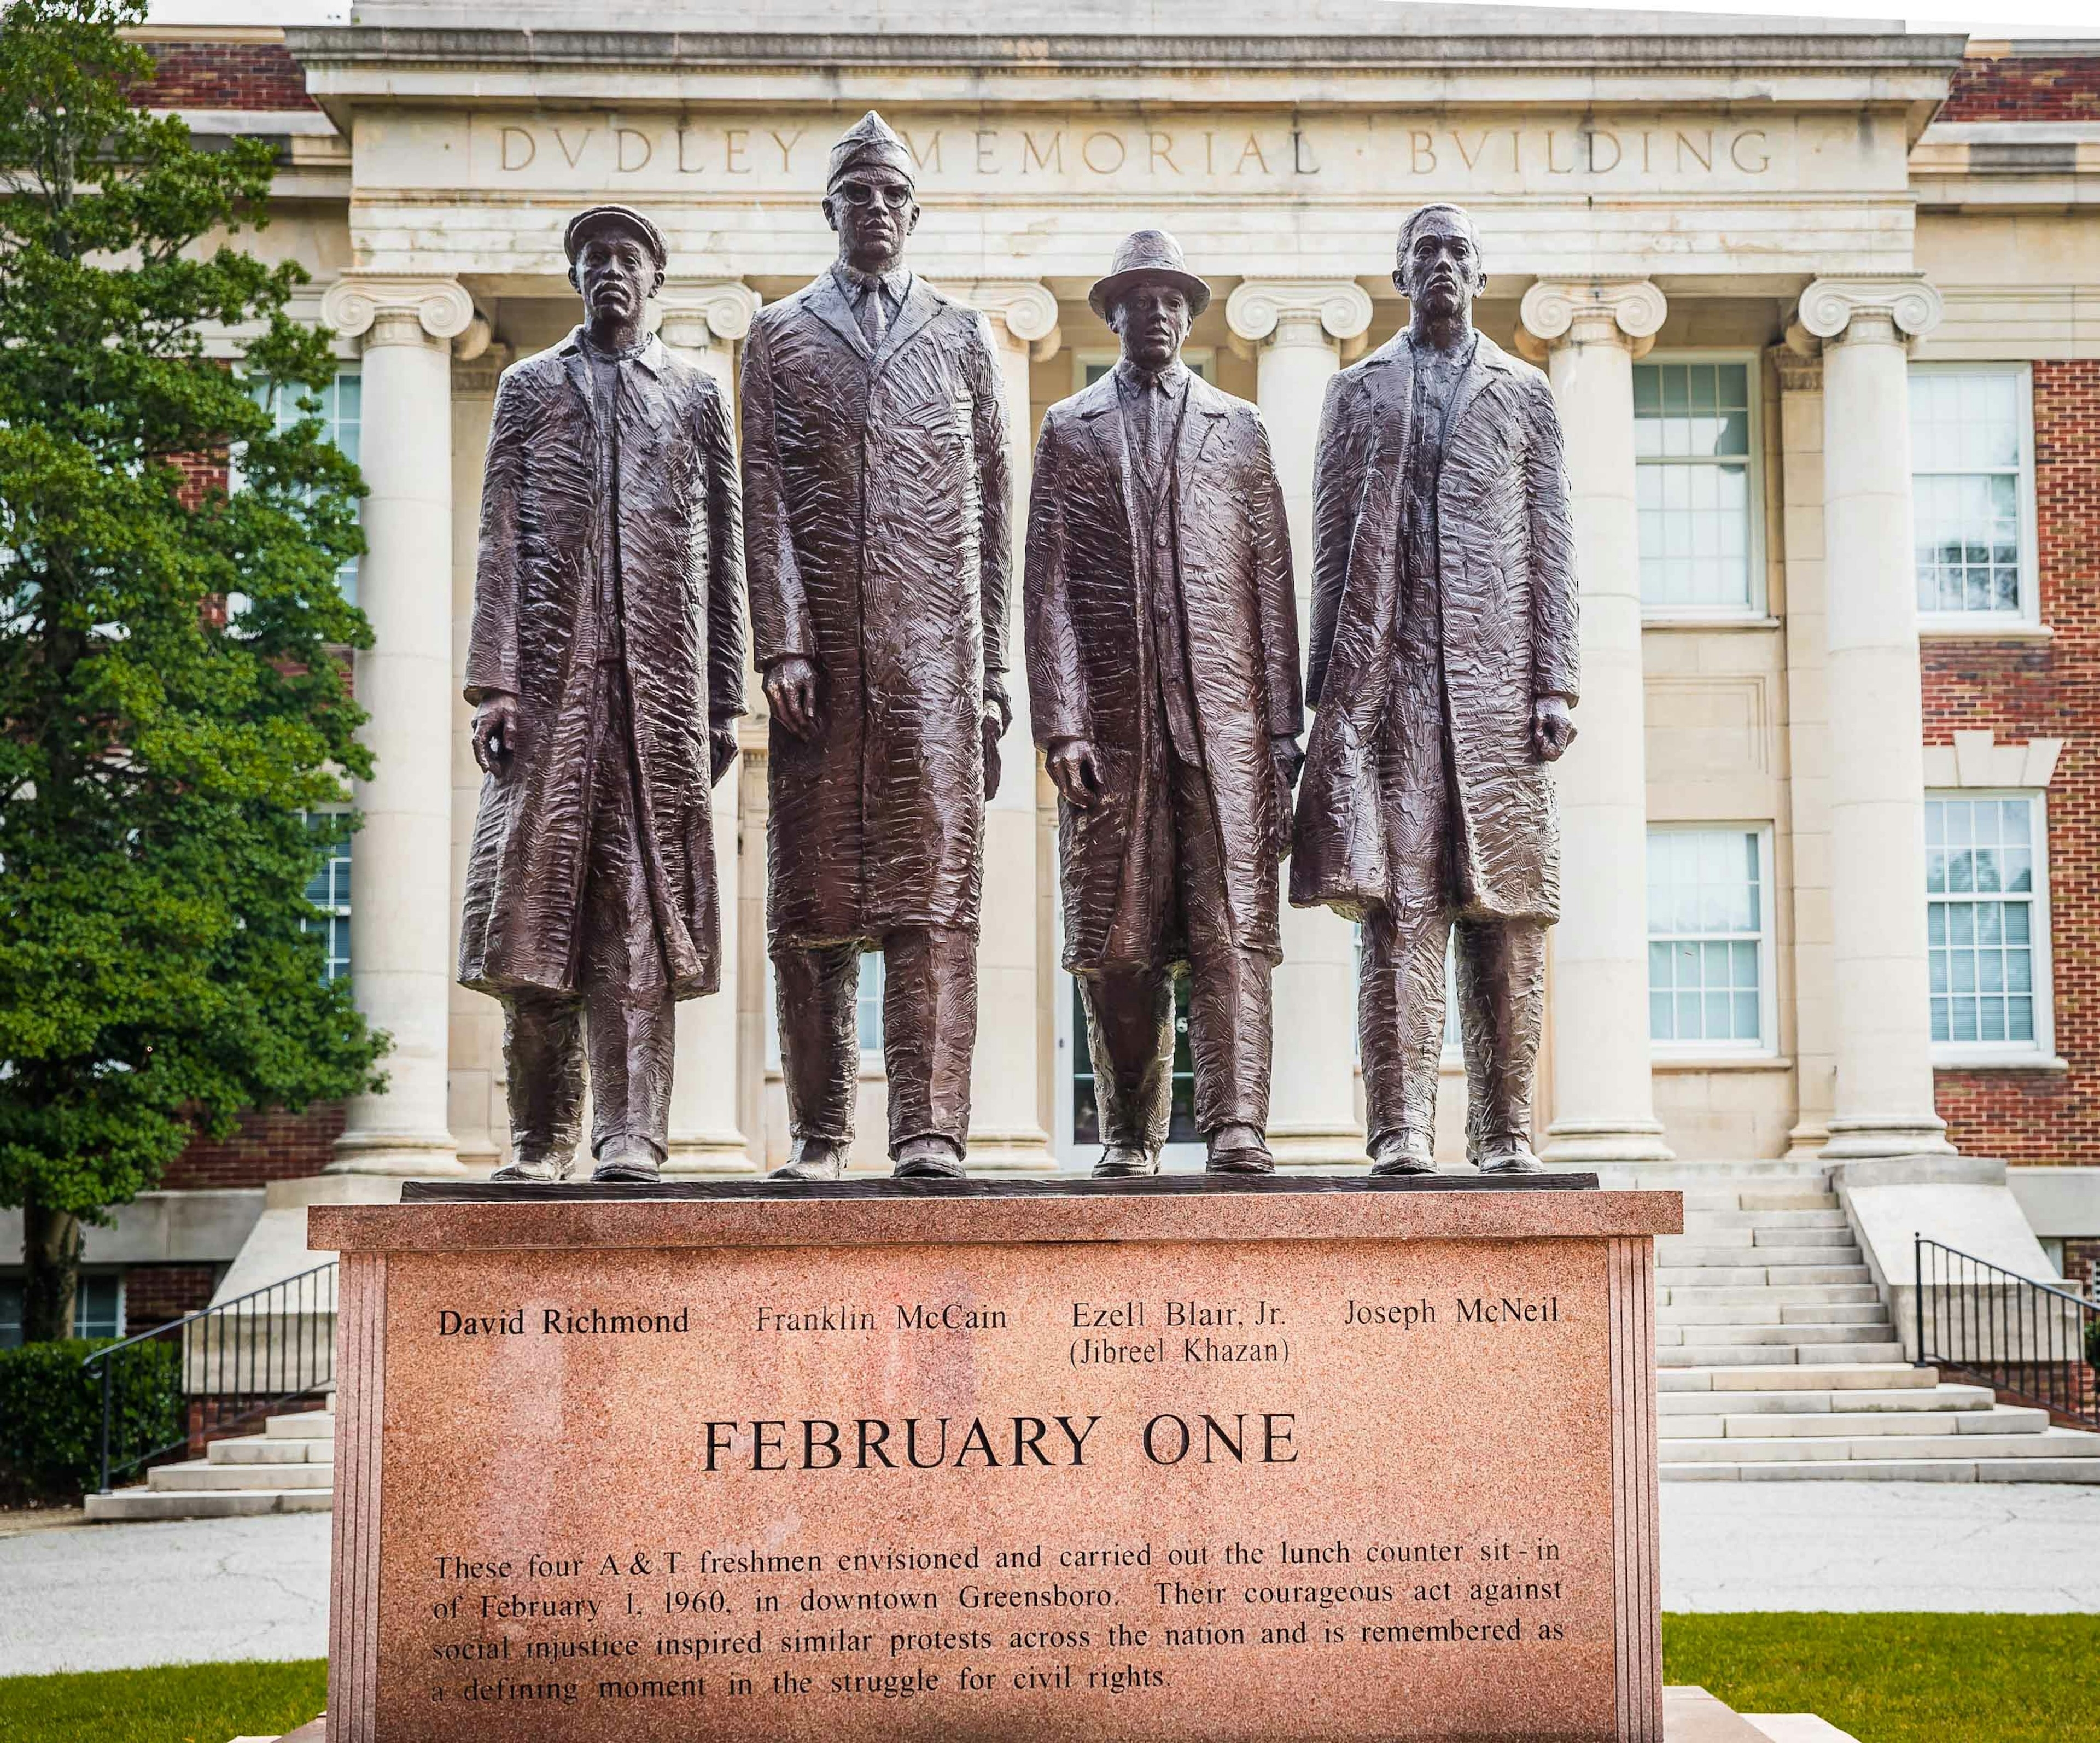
x=51, y=1413
x=2093, y=1342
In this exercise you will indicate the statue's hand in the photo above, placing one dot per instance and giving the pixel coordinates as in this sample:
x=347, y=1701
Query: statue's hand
x=721, y=751
x=1076, y=771
x=1552, y=728
x=791, y=692
x=495, y=731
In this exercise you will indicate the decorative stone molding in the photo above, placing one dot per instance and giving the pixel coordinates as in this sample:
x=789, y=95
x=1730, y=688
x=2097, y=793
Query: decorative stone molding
x=1829, y=305
x=477, y=338
x=694, y=317
x=1028, y=308
x=1589, y=311
x=387, y=309
x=1797, y=374
x=1976, y=759
x=476, y=379
x=1297, y=311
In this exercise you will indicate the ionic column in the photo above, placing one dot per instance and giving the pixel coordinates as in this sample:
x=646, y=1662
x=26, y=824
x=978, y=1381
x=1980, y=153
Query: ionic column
x=1883, y=1030
x=703, y=323
x=400, y=890
x=1604, y=1100
x=1296, y=330
x=1010, y=1108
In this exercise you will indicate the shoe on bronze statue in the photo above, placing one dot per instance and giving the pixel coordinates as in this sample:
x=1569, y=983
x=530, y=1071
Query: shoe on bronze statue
x=1238, y=1150
x=543, y=1169
x=812, y=1159
x=1123, y=1161
x=1405, y=1151
x=929, y=1159
x=1510, y=1156
x=633, y=1159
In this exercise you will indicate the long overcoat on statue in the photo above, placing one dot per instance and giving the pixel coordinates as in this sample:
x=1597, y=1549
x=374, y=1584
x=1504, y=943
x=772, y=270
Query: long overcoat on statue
x=877, y=489
x=1508, y=633
x=1090, y=655
x=547, y=543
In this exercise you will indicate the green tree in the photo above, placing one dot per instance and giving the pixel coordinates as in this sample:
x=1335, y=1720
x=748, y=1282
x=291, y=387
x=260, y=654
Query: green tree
x=157, y=754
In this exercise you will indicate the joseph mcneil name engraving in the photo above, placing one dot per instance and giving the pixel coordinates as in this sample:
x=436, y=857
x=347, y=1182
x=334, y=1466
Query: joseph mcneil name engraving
x=1510, y=1311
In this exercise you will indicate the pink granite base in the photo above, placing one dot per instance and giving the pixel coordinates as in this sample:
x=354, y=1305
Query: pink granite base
x=1234, y=1467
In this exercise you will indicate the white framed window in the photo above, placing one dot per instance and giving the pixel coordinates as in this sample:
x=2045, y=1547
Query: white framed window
x=868, y=1002
x=1698, y=484
x=1987, y=924
x=1710, y=950
x=343, y=421
x=1088, y=367
x=329, y=891
x=98, y=1307
x=1972, y=494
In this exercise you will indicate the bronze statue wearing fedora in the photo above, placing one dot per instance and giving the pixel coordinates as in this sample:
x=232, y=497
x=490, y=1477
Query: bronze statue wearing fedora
x=607, y=669
x=1163, y=671
x=875, y=475
x=1444, y=665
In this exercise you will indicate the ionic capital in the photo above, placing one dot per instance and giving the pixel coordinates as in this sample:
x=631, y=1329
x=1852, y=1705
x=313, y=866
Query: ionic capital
x=387, y=308
x=1591, y=311
x=1296, y=312
x=1026, y=307
x=693, y=317
x=1892, y=309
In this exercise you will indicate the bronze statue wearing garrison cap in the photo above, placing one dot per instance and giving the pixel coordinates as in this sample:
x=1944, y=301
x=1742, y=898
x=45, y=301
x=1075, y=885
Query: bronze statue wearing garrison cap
x=1162, y=672
x=1443, y=667
x=608, y=626
x=876, y=478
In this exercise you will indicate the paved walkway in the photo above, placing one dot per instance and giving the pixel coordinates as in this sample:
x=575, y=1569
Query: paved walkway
x=106, y=1597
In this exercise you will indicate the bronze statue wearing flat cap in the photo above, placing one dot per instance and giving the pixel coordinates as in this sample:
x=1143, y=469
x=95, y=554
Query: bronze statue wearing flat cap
x=876, y=480
x=1163, y=674
x=608, y=624
x=1442, y=666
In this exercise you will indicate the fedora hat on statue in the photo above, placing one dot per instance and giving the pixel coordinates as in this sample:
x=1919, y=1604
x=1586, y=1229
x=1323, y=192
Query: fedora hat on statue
x=1148, y=254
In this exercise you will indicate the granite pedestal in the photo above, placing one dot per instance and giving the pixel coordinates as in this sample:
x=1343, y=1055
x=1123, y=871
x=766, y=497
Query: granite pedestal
x=1297, y=1458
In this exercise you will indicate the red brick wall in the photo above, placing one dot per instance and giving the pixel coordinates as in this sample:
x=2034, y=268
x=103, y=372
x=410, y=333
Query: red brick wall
x=2050, y=690
x=153, y=1294
x=2026, y=88
x=268, y=1147
x=225, y=76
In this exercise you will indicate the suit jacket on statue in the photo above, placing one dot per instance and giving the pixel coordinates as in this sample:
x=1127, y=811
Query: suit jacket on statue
x=877, y=489
x=1505, y=576
x=1089, y=652
x=546, y=540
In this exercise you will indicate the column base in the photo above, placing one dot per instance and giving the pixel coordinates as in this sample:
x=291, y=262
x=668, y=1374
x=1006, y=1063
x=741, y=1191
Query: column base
x=1868, y=1137
x=1024, y=1150
x=1318, y=1147
x=1805, y=1142
x=1588, y=1142
x=402, y=1155
x=709, y=1154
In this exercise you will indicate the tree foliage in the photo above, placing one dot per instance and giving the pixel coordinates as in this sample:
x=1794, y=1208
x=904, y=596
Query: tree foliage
x=156, y=755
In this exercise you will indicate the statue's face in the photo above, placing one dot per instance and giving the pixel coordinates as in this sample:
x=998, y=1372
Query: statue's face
x=617, y=274
x=1152, y=320
x=1440, y=272
x=873, y=211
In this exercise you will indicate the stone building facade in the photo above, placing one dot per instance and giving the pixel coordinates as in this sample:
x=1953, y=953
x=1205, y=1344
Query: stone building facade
x=1817, y=303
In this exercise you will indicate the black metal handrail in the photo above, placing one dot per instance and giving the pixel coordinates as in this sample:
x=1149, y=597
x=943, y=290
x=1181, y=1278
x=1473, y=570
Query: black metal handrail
x=241, y=1359
x=2030, y=1341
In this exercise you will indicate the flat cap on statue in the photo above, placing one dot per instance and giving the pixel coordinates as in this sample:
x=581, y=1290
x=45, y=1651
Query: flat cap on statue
x=612, y=217
x=1148, y=254
x=871, y=140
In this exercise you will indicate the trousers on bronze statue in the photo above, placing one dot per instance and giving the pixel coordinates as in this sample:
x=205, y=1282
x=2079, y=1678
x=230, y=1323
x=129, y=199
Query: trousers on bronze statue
x=929, y=1029
x=1186, y=919
x=621, y=1016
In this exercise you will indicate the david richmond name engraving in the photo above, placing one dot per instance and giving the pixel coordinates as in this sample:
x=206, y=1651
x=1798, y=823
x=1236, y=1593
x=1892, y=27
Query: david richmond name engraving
x=556, y=1322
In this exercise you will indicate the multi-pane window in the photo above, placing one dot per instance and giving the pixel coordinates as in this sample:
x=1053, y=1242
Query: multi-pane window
x=1709, y=926
x=1181, y=1106
x=98, y=1307
x=329, y=891
x=1970, y=491
x=1694, y=446
x=342, y=418
x=1986, y=923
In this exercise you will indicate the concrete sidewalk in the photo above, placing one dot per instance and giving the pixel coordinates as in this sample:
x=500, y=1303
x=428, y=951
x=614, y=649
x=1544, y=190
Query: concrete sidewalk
x=109, y=1597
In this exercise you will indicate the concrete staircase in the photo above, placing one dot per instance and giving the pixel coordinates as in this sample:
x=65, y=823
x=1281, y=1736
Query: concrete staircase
x=1778, y=1359
x=288, y=1468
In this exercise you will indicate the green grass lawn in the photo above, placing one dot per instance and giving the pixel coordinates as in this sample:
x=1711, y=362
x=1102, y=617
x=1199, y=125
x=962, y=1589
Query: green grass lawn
x=1902, y=1679
x=1885, y=1678
x=200, y=1703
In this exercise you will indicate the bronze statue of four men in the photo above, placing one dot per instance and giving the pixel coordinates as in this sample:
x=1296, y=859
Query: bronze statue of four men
x=872, y=536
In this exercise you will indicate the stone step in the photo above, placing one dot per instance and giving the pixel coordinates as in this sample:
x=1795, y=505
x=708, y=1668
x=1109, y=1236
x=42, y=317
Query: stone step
x=2044, y=1470
x=2006, y=1419
x=1760, y=1355
x=1701, y=1221
x=1936, y=1399
x=2058, y=1443
x=1670, y=1336
x=1781, y=1198
x=201, y=1473
x=1761, y=1311
x=1733, y=1294
x=131, y=1504
x=1733, y=1275
x=1869, y=1376
x=1676, y=1258
x=304, y=1425
x=264, y=1449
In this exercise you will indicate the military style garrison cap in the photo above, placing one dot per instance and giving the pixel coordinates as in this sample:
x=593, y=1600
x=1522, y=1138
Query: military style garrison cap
x=612, y=217
x=869, y=141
